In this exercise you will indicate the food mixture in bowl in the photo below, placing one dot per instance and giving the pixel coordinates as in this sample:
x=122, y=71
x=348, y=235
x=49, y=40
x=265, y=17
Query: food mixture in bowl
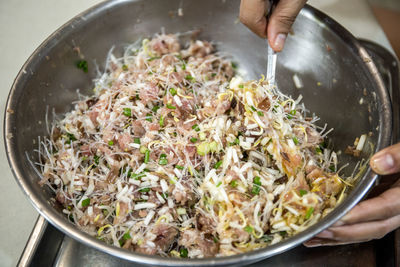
x=174, y=155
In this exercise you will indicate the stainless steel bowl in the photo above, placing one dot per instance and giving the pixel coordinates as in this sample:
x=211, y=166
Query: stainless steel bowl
x=335, y=69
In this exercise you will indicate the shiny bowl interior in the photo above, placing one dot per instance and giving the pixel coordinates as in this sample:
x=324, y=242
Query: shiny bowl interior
x=336, y=72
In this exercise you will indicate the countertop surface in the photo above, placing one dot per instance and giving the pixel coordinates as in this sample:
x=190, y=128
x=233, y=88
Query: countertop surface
x=24, y=24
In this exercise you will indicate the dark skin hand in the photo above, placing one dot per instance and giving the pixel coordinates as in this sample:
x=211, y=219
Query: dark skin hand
x=252, y=14
x=372, y=218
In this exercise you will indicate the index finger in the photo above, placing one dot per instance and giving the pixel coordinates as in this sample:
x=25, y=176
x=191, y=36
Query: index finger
x=252, y=14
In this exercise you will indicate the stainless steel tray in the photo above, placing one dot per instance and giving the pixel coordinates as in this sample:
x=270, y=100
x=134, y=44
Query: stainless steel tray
x=49, y=247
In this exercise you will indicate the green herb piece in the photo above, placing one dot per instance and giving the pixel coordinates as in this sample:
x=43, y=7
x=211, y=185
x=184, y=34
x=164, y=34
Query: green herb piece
x=318, y=149
x=295, y=140
x=126, y=236
x=83, y=65
x=149, y=117
x=183, y=66
x=70, y=138
x=283, y=233
x=111, y=142
x=303, y=192
x=292, y=112
x=136, y=140
x=309, y=213
x=137, y=176
x=179, y=167
x=241, y=86
x=248, y=229
x=153, y=58
x=219, y=184
x=234, y=183
x=163, y=162
x=213, y=74
x=127, y=112
x=332, y=168
x=85, y=202
x=189, y=77
x=193, y=140
x=171, y=106
x=267, y=238
x=124, y=67
x=144, y=190
x=164, y=195
x=253, y=108
x=234, y=65
x=155, y=108
x=183, y=253
x=147, y=156
x=215, y=239
x=161, y=122
x=96, y=159
x=218, y=164
x=256, y=185
x=260, y=113
x=173, y=91
x=163, y=156
x=196, y=128
x=257, y=180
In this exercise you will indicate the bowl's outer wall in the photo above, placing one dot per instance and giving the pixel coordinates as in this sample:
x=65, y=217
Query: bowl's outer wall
x=334, y=69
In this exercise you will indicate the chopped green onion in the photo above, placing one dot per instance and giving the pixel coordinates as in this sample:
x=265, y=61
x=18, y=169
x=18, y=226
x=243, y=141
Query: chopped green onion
x=196, y=128
x=144, y=190
x=256, y=185
x=241, y=86
x=171, y=106
x=124, y=67
x=218, y=164
x=96, y=159
x=173, y=91
x=219, y=184
x=248, y=229
x=179, y=167
x=85, y=202
x=183, y=253
x=83, y=65
x=234, y=65
x=253, y=108
x=137, y=176
x=153, y=58
x=295, y=140
x=293, y=112
x=183, y=66
x=318, y=149
x=149, y=117
x=302, y=192
x=213, y=74
x=163, y=161
x=147, y=156
x=189, y=78
x=309, y=213
x=155, y=108
x=234, y=183
x=126, y=236
x=163, y=156
x=260, y=113
x=161, y=122
x=111, y=142
x=193, y=140
x=127, y=112
x=332, y=168
x=136, y=140
x=71, y=138
x=257, y=180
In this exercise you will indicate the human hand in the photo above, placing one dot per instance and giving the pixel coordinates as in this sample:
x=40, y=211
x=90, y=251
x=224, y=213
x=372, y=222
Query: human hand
x=372, y=218
x=252, y=14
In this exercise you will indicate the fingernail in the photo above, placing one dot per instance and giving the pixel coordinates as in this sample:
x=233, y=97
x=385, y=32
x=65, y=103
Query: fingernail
x=312, y=243
x=382, y=164
x=325, y=234
x=279, y=41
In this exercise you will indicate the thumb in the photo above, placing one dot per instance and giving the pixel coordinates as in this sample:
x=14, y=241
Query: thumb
x=387, y=161
x=281, y=21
